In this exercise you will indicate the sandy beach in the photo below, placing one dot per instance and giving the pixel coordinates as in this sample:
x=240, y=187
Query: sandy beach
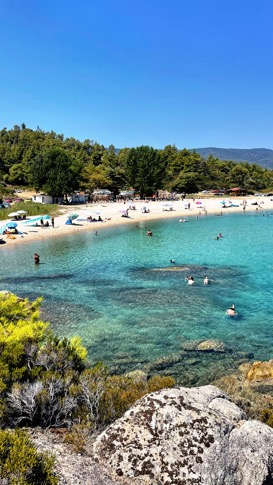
x=111, y=214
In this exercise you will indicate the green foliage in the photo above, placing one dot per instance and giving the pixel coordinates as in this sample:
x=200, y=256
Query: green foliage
x=21, y=332
x=58, y=165
x=44, y=380
x=21, y=464
x=145, y=170
x=79, y=436
x=107, y=397
x=56, y=172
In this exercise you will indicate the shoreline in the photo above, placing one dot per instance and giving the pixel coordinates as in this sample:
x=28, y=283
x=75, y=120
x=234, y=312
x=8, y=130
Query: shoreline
x=111, y=215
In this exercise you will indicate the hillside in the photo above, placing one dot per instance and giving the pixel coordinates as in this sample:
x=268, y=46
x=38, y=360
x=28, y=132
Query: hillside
x=260, y=156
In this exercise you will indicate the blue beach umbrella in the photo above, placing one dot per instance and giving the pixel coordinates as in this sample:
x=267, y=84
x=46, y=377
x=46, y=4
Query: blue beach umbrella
x=11, y=225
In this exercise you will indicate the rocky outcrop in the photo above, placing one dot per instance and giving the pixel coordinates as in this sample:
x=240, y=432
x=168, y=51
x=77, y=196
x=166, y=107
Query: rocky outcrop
x=260, y=371
x=187, y=437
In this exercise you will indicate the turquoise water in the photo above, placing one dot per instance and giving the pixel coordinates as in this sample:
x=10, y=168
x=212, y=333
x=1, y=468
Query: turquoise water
x=133, y=308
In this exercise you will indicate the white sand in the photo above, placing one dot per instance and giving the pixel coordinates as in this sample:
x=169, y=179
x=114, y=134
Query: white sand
x=111, y=215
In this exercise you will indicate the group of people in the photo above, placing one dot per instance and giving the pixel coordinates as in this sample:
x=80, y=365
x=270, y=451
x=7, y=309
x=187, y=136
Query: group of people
x=231, y=311
x=46, y=223
x=191, y=280
x=93, y=219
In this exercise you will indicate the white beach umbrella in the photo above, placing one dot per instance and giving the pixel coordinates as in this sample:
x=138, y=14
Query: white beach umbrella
x=13, y=214
x=22, y=212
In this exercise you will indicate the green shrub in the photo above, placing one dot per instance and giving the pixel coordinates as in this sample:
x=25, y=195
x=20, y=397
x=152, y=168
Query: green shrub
x=21, y=464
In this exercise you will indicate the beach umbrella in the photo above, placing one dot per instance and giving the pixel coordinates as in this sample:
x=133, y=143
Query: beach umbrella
x=73, y=216
x=13, y=214
x=11, y=225
x=22, y=212
x=123, y=211
x=199, y=202
x=167, y=204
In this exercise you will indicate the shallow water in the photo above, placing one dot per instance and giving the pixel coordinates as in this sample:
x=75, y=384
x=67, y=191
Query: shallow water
x=132, y=307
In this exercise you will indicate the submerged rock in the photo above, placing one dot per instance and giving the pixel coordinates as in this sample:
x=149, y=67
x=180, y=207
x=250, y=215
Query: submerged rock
x=185, y=437
x=205, y=346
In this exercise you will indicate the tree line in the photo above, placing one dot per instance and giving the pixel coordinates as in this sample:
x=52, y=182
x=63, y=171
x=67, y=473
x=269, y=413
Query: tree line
x=57, y=165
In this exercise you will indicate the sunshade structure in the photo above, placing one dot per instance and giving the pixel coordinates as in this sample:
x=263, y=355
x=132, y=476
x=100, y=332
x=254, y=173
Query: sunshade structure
x=21, y=213
x=13, y=214
x=11, y=225
x=73, y=216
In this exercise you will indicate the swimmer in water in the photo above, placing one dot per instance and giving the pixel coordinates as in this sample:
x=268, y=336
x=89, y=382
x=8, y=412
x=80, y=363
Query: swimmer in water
x=36, y=258
x=231, y=311
x=206, y=280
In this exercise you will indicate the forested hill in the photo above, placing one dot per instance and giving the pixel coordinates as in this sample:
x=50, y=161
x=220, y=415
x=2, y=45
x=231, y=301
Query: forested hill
x=260, y=156
x=56, y=165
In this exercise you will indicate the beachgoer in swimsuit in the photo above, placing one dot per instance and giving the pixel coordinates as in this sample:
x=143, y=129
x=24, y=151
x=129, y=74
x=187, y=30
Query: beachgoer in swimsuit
x=36, y=258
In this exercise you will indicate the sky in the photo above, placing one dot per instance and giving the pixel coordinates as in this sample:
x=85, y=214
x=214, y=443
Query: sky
x=189, y=73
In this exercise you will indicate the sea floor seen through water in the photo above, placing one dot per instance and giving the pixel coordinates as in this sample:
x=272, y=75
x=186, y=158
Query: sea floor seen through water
x=135, y=310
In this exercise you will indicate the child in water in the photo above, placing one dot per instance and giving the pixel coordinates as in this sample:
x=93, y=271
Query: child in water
x=36, y=258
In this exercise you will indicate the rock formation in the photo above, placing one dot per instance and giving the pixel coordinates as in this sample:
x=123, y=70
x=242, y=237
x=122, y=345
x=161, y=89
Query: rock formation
x=187, y=437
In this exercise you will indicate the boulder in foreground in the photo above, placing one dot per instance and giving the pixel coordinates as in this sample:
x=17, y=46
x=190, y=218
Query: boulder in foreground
x=187, y=437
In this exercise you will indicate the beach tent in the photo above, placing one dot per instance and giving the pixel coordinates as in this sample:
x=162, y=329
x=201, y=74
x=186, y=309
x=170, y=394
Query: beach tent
x=69, y=222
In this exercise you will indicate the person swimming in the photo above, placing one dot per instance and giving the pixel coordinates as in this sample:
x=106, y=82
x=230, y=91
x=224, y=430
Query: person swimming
x=206, y=280
x=191, y=280
x=36, y=258
x=149, y=233
x=231, y=311
x=172, y=260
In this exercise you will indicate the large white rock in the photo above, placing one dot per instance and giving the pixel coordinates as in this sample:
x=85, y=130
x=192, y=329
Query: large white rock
x=187, y=437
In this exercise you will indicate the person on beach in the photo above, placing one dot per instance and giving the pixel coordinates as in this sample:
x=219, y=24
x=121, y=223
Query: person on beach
x=42, y=222
x=52, y=221
x=36, y=258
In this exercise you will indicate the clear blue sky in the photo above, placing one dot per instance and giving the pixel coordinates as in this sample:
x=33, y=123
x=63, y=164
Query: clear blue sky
x=193, y=73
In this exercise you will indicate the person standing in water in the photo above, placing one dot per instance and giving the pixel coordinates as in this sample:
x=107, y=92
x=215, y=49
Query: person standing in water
x=36, y=258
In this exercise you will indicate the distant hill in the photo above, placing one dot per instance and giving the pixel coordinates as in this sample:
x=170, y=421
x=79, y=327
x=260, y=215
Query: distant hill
x=261, y=156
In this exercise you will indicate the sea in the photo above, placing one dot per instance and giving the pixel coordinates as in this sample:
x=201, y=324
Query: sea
x=133, y=308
